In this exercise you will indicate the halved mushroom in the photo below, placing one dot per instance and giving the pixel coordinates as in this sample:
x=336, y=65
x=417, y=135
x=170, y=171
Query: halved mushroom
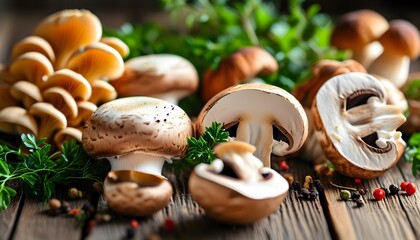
x=102, y=92
x=84, y=110
x=97, y=61
x=33, y=44
x=401, y=43
x=236, y=188
x=74, y=83
x=136, y=194
x=31, y=66
x=26, y=92
x=67, y=134
x=16, y=119
x=165, y=76
x=359, y=32
x=242, y=66
x=49, y=119
x=137, y=133
x=263, y=115
x=61, y=100
x=117, y=44
x=355, y=126
x=67, y=31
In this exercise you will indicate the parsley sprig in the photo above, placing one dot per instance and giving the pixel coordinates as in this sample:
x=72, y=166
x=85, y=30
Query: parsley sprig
x=412, y=153
x=40, y=171
x=201, y=150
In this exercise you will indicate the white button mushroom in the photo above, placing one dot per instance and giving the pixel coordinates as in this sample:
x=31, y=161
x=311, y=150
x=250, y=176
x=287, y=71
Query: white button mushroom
x=263, y=115
x=355, y=126
x=235, y=188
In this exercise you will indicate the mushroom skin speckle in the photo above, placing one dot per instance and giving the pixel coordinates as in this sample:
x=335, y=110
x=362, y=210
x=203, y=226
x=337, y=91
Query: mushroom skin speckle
x=355, y=126
x=137, y=133
x=243, y=194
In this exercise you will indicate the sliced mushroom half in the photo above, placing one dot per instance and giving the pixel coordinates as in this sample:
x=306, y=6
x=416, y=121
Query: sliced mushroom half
x=355, y=126
x=236, y=188
x=263, y=115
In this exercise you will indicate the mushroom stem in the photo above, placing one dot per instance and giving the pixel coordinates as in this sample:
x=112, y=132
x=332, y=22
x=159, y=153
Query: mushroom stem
x=392, y=67
x=373, y=109
x=368, y=53
x=138, y=161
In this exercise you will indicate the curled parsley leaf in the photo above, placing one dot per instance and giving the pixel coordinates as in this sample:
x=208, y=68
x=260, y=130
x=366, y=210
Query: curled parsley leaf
x=412, y=153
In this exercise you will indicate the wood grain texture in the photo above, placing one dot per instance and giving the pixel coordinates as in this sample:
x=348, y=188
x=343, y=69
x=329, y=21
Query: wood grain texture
x=9, y=216
x=294, y=219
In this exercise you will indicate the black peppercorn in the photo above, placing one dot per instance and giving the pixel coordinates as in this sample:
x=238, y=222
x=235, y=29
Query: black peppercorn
x=393, y=189
x=313, y=195
x=296, y=185
x=319, y=185
x=362, y=191
x=355, y=195
x=359, y=203
x=305, y=193
x=386, y=190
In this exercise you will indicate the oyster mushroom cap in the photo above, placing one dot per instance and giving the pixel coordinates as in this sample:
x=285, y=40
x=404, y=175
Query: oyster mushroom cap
x=26, y=92
x=74, y=83
x=6, y=98
x=49, y=118
x=117, y=44
x=137, y=133
x=67, y=31
x=61, y=100
x=241, y=66
x=84, y=110
x=136, y=194
x=102, y=92
x=166, y=76
x=355, y=126
x=16, y=119
x=401, y=43
x=97, y=61
x=359, y=31
x=263, y=115
x=33, y=44
x=67, y=134
x=31, y=66
x=235, y=188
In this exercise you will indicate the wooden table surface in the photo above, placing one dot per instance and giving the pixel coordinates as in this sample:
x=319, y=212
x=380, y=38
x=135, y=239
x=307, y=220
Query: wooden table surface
x=396, y=217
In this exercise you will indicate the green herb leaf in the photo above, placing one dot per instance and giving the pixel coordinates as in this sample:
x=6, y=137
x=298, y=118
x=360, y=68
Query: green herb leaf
x=412, y=153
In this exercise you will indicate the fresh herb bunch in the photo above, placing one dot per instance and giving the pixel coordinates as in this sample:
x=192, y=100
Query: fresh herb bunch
x=412, y=90
x=412, y=153
x=206, y=31
x=201, y=150
x=40, y=170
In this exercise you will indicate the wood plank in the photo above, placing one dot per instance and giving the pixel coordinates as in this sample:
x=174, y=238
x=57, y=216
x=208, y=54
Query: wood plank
x=384, y=219
x=9, y=216
x=295, y=218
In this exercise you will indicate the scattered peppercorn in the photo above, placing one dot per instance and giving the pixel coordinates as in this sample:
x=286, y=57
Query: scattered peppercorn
x=357, y=180
x=393, y=189
x=355, y=195
x=54, y=204
x=410, y=188
x=379, y=194
x=345, y=195
x=289, y=178
x=74, y=211
x=387, y=192
x=362, y=191
x=359, y=203
x=305, y=193
x=134, y=223
x=169, y=225
x=296, y=185
x=313, y=195
x=403, y=185
x=97, y=187
x=284, y=166
x=319, y=185
x=308, y=182
x=75, y=193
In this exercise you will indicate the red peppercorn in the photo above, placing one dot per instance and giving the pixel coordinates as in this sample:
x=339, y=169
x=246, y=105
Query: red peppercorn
x=379, y=194
x=169, y=225
x=284, y=166
x=134, y=223
x=357, y=180
x=403, y=185
x=410, y=188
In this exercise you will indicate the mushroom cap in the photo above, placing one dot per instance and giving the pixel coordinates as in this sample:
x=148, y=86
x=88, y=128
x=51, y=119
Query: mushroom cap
x=355, y=126
x=6, y=98
x=84, y=110
x=102, y=92
x=242, y=65
x=33, y=44
x=97, y=61
x=117, y=44
x=156, y=74
x=356, y=29
x=5, y=74
x=235, y=188
x=137, y=124
x=269, y=103
x=136, y=194
x=16, y=118
x=402, y=38
x=26, y=92
x=67, y=31
x=62, y=100
x=67, y=134
x=31, y=66
x=74, y=83
x=49, y=119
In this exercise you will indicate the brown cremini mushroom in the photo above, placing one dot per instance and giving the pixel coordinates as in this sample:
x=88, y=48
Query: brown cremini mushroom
x=67, y=31
x=401, y=43
x=137, y=133
x=165, y=76
x=263, y=115
x=33, y=44
x=241, y=66
x=32, y=67
x=359, y=31
x=49, y=119
x=235, y=188
x=355, y=126
x=17, y=120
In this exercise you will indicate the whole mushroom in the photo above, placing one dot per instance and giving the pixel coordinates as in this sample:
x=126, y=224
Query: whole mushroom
x=263, y=115
x=355, y=126
x=235, y=188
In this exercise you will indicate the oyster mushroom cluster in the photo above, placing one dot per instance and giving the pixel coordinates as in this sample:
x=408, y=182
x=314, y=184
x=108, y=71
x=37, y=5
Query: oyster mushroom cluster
x=58, y=76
